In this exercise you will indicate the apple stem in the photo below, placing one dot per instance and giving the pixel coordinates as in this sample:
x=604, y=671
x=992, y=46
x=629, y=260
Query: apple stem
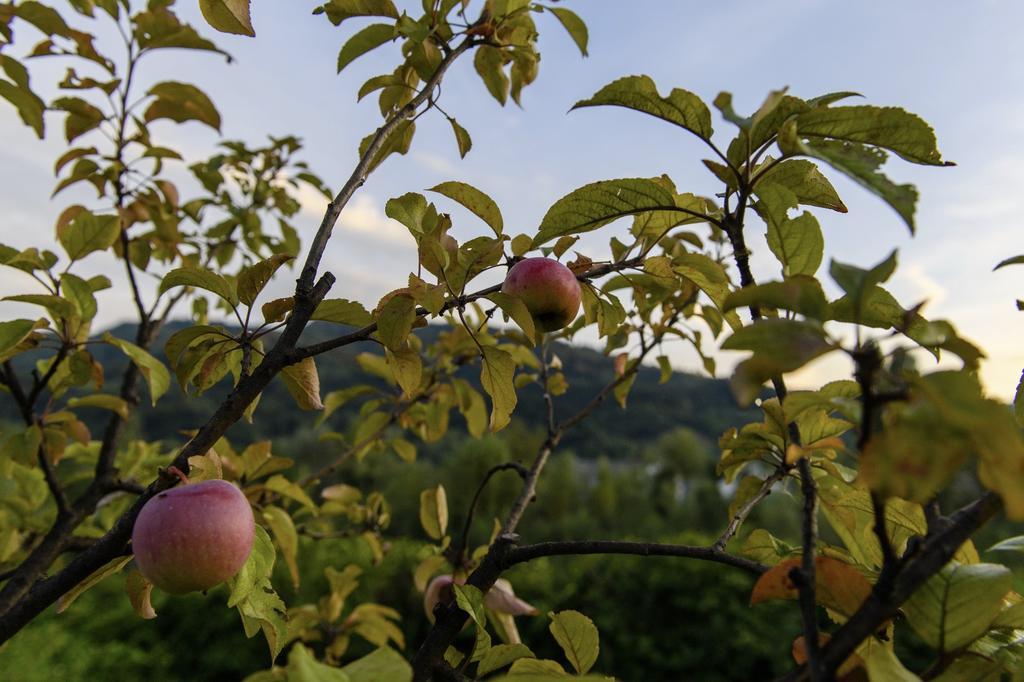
x=175, y=471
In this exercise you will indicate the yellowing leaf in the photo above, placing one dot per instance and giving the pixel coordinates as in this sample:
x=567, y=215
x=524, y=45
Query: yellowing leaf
x=577, y=635
x=107, y=569
x=434, y=512
x=496, y=377
x=282, y=486
x=407, y=367
x=342, y=311
x=303, y=383
x=394, y=321
x=139, y=592
x=252, y=279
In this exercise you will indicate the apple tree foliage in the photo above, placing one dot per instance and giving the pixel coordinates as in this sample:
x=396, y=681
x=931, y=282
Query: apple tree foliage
x=868, y=455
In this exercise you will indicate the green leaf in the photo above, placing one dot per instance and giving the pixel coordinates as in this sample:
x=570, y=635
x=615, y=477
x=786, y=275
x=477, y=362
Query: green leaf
x=58, y=307
x=257, y=568
x=88, y=232
x=574, y=25
x=398, y=142
x=881, y=663
x=858, y=162
x=762, y=546
x=706, y=273
x=383, y=664
x=779, y=338
x=600, y=203
x=104, y=401
x=14, y=332
x=153, y=371
x=339, y=10
x=496, y=376
x=253, y=278
x=521, y=243
x=796, y=242
x=806, y=182
x=462, y=138
x=476, y=201
x=394, y=321
x=1013, y=617
x=181, y=102
x=1016, y=260
x=500, y=655
x=408, y=209
x=404, y=449
x=369, y=38
x=81, y=116
x=342, y=311
x=303, y=667
x=201, y=279
x=1015, y=544
x=958, y=605
x=111, y=567
x=861, y=286
x=779, y=346
x=407, y=366
x=489, y=66
x=303, y=383
x=434, y=512
x=888, y=127
x=228, y=16
x=30, y=107
x=514, y=307
x=45, y=18
x=287, y=539
x=681, y=107
x=800, y=294
x=471, y=600
x=578, y=637
x=78, y=291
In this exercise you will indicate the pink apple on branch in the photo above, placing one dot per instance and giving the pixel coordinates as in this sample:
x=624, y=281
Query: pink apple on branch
x=194, y=536
x=549, y=290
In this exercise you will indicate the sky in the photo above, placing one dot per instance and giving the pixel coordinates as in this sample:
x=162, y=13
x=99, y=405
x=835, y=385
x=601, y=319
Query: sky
x=958, y=65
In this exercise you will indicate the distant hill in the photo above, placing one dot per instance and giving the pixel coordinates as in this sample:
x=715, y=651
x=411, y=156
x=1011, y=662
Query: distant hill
x=700, y=403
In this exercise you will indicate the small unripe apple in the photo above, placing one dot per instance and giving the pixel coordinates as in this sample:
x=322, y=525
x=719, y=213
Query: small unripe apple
x=549, y=290
x=194, y=536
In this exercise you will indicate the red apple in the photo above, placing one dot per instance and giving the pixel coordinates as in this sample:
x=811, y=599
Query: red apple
x=549, y=290
x=194, y=536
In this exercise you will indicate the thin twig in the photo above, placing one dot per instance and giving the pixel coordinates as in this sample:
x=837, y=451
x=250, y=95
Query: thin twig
x=525, y=553
x=464, y=541
x=365, y=333
x=741, y=514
